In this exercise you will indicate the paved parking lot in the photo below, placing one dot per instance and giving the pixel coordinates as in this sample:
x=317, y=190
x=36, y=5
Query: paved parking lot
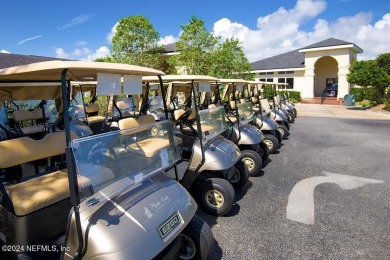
x=324, y=196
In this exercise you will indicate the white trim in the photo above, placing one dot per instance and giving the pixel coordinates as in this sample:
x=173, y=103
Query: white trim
x=349, y=46
x=276, y=70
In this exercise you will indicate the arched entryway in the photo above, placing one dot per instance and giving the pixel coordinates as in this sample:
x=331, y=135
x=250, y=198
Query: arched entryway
x=326, y=76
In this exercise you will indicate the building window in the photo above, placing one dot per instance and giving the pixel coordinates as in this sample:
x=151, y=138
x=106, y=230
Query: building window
x=270, y=73
x=270, y=80
x=262, y=73
x=262, y=80
x=290, y=82
x=289, y=72
x=281, y=80
x=281, y=72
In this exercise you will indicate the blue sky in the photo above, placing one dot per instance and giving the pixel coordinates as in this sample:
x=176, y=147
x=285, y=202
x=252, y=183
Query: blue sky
x=81, y=29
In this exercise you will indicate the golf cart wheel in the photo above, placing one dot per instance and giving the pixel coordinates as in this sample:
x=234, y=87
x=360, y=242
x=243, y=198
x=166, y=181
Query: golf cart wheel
x=197, y=240
x=263, y=151
x=272, y=143
x=217, y=196
x=283, y=130
x=251, y=161
x=295, y=112
x=290, y=117
x=279, y=136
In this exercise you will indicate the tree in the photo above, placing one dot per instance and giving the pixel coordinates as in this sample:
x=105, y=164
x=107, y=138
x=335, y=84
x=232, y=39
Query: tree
x=136, y=42
x=384, y=62
x=367, y=73
x=195, y=46
x=230, y=61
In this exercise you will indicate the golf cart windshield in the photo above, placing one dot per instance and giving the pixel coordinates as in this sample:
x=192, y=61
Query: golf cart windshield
x=156, y=102
x=125, y=105
x=213, y=121
x=117, y=160
x=245, y=112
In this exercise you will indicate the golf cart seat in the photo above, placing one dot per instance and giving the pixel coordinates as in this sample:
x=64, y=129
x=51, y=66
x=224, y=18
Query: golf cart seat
x=93, y=117
x=149, y=147
x=186, y=128
x=38, y=207
x=21, y=116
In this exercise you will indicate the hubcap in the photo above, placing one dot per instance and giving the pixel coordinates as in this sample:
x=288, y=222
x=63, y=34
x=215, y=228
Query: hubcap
x=269, y=143
x=236, y=176
x=214, y=199
x=188, y=249
x=249, y=162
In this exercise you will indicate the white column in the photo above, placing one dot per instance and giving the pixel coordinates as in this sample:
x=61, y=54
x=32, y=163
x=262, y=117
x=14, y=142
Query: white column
x=308, y=83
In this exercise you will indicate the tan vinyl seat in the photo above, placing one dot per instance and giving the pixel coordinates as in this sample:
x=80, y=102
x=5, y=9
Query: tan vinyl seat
x=40, y=192
x=94, y=108
x=25, y=115
x=149, y=147
x=37, y=193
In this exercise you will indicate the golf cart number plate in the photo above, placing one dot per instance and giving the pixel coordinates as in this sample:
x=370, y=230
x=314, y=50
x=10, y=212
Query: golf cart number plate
x=169, y=225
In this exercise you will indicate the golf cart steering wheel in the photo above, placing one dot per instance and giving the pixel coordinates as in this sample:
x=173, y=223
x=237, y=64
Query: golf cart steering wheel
x=183, y=118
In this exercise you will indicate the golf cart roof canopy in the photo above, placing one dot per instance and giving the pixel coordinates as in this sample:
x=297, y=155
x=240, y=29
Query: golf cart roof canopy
x=177, y=78
x=77, y=71
x=42, y=80
x=242, y=81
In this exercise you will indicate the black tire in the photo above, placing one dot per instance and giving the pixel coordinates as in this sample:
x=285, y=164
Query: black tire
x=283, y=130
x=241, y=171
x=263, y=151
x=295, y=112
x=290, y=117
x=197, y=240
x=279, y=136
x=251, y=161
x=272, y=142
x=217, y=196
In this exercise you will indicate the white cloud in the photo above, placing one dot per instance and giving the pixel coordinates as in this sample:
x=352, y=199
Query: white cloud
x=168, y=39
x=111, y=33
x=102, y=52
x=28, y=39
x=76, y=54
x=82, y=43
x=75, y=21
x=281, y=31
x=4, y=51
x=82, y=53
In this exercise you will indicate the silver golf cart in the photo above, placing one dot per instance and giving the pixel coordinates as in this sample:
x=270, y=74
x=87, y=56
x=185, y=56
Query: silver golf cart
x=112, y=200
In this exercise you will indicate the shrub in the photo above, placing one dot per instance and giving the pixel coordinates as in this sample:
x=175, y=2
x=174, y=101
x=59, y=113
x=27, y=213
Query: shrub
x=363, y=93
x=359, y=93
x=295, y=95
x=386, y=101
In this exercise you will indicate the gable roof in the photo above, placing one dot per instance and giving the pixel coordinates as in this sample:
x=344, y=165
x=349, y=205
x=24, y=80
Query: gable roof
x=292, y=59
x=8, y=60
x=327, y=43
x=296, y=58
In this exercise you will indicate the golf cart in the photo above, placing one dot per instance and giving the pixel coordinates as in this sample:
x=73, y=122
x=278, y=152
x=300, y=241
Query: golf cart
x=278, y=106
x=211, y=164
x=283, y=99
x=232, y=90
x=112, y=200
x=270, y=110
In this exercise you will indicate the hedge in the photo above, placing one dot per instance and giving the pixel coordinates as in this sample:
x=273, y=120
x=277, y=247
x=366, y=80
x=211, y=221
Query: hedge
x=363, y=93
